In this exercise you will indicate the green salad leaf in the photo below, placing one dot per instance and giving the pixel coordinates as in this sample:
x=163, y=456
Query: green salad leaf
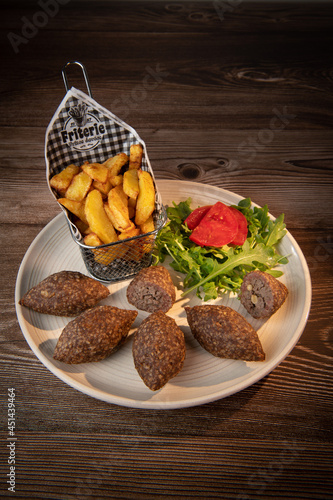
x=210, y=270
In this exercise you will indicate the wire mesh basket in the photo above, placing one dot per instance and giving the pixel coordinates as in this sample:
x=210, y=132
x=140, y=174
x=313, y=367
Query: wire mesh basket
x=81, y=130
x=123, y=259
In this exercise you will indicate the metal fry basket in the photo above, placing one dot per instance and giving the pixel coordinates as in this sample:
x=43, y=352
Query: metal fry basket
x=81, y=130
x=123, y=259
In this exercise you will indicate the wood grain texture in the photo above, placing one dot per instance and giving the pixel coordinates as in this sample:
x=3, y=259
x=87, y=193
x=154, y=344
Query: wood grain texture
x=242, y=100
x=132, y=467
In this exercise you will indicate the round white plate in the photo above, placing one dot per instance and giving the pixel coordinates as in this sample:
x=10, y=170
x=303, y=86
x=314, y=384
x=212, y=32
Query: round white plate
x=204, y=378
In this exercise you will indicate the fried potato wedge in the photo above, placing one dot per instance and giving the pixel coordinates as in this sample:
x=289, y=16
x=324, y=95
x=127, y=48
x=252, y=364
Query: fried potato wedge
x=131, y=183
x=118, y=206
x=103, y=187
x=103, y=255
x=60, y=182
x=141, y=247
x=135, y=159
x=108, y=212
x=110, y=202
x=131, y=207
x=82, y=227
x=116, y=180
x=96, y=171
x=145, y=204
x=129, y=233
x=129, y=245
x=97, y=218
x=116, y=163
x=76, y=207
x=92, y=240
x=148, y=225
x=79, y=187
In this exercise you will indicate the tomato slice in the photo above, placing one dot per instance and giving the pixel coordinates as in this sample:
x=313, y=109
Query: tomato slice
x=217, y=228
x=195, y=217
x=241, y=235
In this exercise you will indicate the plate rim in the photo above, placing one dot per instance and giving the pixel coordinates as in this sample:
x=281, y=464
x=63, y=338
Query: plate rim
x=97, y=393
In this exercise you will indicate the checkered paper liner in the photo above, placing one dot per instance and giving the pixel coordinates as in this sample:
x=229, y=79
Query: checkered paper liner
x=82, y=130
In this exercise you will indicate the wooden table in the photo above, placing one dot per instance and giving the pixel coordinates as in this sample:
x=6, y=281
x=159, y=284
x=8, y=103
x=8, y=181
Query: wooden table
x=240, y=98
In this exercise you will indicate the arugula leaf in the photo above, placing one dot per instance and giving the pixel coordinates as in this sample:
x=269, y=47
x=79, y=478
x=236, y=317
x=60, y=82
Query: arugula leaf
x=178, y=213
x=210, y=270
x=276, y=231
x=249, y=256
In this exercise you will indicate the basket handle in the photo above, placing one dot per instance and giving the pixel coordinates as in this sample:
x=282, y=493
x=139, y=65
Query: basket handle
x=84, y=71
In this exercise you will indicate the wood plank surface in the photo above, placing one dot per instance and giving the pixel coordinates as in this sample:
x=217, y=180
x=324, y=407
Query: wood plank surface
x=240, y=97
